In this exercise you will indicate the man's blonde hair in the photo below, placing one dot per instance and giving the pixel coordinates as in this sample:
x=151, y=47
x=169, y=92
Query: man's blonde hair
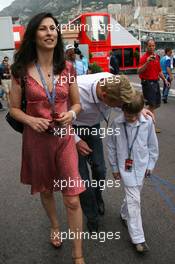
x=118, y=88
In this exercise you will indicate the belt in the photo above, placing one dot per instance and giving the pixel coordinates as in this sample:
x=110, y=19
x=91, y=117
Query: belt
x=83, y=126
x=150, y=80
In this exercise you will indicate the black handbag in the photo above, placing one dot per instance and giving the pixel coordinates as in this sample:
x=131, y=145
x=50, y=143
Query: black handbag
x=16, y=125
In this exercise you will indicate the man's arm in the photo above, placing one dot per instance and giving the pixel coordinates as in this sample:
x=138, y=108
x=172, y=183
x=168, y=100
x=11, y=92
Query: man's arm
x=112, y=151
x=143, y=67
x=169, y=73
x=161, y=75
x=168, y=68
x=144, y=64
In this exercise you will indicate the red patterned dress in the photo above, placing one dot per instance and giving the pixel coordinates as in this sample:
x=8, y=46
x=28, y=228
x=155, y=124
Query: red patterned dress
x=49, y=162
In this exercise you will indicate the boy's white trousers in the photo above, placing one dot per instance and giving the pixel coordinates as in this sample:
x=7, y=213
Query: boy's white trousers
x=131, y=212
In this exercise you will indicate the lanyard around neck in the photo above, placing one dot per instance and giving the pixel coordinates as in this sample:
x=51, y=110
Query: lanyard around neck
x=50, y=95
x=106, y=120
x=132, y=144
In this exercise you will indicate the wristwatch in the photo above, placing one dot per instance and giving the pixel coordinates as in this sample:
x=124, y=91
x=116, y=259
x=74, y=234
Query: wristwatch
x=73, y=114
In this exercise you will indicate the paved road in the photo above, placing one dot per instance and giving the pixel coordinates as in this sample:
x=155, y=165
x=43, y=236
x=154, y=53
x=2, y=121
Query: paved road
x=136, y=81
x=24, y=228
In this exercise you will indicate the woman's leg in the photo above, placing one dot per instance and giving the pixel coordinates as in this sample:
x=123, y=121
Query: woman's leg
x=48, y=202
x=74, y=215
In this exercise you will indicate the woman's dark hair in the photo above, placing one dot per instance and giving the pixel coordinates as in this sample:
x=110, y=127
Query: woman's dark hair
x=27, y=51
x=136, y=105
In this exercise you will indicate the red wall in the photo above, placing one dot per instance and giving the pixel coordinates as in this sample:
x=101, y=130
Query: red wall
x=21, y=30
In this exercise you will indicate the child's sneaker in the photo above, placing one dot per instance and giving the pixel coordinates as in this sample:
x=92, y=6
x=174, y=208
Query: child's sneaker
x=142, y=247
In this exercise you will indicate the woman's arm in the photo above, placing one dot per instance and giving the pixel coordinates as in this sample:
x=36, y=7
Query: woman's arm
x=38, y=124
x=67, y=117
x=75, y=98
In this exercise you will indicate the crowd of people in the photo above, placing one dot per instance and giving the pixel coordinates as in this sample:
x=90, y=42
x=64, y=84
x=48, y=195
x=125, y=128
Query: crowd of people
x=5, y=80
x=151, y=70
x=81, y=102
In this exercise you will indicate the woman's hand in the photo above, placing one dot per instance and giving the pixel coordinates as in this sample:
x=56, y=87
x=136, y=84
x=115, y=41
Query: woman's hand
x=147, y=113
x=65, y=118
x=38, y=124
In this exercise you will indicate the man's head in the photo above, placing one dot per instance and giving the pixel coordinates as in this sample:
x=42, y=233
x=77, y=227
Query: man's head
x=114, y=52
x=168, y=52
x=151, y=46
x=133, y=109
x=6, y=59
x=115, y=90
x=70, y=52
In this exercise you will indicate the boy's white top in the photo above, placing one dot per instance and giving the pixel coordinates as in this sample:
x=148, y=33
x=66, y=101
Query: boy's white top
x=144, y=153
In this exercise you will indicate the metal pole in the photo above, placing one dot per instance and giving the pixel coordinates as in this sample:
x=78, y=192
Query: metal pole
x=81, y=6
x=139, y=18
x=139, y=28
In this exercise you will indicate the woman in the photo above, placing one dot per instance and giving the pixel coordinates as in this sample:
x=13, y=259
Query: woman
x=47, y=158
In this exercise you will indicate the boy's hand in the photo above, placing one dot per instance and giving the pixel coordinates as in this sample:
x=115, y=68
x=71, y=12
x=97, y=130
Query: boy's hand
x=147, y=173
x=116, y=175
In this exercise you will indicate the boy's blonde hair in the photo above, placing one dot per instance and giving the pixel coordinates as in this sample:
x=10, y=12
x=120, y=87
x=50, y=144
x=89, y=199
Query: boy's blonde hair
x=118, y=88
x=136, y=105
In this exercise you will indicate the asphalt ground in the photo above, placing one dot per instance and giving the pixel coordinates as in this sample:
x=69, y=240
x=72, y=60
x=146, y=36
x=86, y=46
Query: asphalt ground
x=24, y=227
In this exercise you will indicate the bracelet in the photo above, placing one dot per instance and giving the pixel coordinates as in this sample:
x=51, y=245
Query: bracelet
x=73, y=114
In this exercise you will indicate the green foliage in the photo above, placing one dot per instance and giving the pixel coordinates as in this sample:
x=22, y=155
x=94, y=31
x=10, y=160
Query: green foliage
x=95, y=68
x=90, y=55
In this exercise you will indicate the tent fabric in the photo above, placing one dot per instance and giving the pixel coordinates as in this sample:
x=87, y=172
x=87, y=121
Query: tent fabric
x=120, y=36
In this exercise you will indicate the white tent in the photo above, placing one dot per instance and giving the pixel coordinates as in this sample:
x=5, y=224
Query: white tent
x=120, y=36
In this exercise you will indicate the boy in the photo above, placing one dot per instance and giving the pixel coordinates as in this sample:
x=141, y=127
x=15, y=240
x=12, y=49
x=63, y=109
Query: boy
x=132, y=156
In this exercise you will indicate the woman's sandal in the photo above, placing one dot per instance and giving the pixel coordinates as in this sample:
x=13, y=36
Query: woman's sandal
x=55, y=239
x=78, y=260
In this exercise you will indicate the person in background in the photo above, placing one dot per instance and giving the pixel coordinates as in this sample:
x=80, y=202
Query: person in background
x=1, y=95
x=114, y=63
x=89, y=71
x=1, y=106
x=149, y=73
x=47, y=158
x=5, y=76
x=2, y=65
x=165, y=63
x=132, y=155
x=85, y=62
x=70, y=53
x=79, y=65
x=75, y=59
